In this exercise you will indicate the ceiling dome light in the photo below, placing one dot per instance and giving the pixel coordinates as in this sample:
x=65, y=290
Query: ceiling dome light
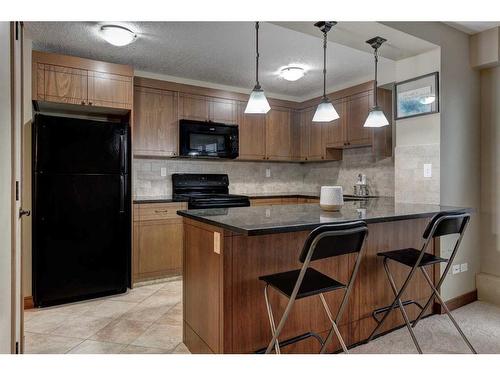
x=292, y=73
x=376, y=117
x=117, y=35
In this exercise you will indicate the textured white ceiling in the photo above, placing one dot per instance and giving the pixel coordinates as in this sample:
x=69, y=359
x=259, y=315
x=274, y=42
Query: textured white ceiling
x=217, y=52
x=473, y=27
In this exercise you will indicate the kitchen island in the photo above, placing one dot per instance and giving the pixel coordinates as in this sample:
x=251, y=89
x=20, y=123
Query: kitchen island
x=227, y=249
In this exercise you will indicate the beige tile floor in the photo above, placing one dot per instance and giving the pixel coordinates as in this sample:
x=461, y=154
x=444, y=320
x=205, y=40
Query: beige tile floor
x=147, y=319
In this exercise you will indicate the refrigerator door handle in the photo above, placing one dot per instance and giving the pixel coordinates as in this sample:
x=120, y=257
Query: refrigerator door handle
x=123, y=151
x=122, y=194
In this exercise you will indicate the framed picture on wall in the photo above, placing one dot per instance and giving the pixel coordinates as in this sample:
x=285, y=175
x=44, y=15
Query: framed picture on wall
x=417, y=96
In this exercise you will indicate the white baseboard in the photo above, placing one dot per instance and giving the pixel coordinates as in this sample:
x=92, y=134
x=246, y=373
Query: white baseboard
x=488, y=288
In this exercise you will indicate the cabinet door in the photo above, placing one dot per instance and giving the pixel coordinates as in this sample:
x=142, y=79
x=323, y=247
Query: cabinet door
x=278, y=134
x=335, y=132
x=110, y=90
x=160, y=247
x=252, y=135
x=60, y=84
x=193, y=107
x=358, y=107
x=222, y=110
x=155, y=122
x=315, y=129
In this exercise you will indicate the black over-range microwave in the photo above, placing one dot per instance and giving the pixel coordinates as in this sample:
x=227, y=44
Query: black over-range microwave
x=208, y=139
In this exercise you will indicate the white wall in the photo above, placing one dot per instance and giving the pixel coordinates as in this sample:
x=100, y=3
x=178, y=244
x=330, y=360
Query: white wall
x=459, y=140
x=489, y=279
x=5, y=191
x=417, y=140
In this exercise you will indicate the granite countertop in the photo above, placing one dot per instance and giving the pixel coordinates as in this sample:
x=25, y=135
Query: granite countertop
x=259, y=220
x=261, y=195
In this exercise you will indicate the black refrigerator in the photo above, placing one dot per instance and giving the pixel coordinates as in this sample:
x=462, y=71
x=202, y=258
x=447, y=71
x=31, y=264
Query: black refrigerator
x=81, y=209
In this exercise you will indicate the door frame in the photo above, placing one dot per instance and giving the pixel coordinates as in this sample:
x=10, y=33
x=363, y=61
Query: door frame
x=17, y=300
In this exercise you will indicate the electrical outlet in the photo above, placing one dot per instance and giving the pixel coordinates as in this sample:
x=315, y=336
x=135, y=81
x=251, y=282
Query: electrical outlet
x=464, y=267
x=455, y=269
x=268, y=212
x=163, y=172
x=427, y=170
x=268, y=172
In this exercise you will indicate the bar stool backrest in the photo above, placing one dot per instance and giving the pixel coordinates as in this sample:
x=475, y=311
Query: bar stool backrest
x=445, y=223
x=334, y=239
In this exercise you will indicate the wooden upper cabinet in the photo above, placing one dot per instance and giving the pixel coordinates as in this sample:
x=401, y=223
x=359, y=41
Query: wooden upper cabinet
x=223, y=110
x=278, y=134
x=316, y=144
x=335, y=132
x=193, y=107
x=73, y=80
x=252, y=135
x=60, y=84
x=155, y=122
x=110, y=90
x=358, y=107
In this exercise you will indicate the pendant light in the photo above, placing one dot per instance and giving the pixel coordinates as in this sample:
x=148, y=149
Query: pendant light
x=376, y=117
x=257, y=103
x=326, y=111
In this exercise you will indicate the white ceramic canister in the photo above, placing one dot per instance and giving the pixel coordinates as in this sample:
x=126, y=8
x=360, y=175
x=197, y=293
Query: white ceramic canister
x=331, y=198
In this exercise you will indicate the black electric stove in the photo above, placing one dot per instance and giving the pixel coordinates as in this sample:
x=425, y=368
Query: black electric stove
x=205, y=191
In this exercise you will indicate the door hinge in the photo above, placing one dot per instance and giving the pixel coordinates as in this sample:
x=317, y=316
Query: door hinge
x=17, y=191
x=17, y=347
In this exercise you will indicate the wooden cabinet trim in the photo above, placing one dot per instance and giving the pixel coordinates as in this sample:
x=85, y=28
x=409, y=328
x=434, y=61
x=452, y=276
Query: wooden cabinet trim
x=81, y=63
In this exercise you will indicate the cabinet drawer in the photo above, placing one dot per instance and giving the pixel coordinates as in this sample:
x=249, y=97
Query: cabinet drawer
x=159, y=211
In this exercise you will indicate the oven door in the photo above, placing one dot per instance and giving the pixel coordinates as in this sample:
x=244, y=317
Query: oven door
x=205, y=139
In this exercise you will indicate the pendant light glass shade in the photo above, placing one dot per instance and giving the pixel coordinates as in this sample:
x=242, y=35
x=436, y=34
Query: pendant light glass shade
x=325, y=112
x=257, y=103
x=376, y=118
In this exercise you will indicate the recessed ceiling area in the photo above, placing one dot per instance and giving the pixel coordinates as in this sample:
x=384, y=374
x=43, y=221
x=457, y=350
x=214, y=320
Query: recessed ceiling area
x=473, y=27
x=223, y=53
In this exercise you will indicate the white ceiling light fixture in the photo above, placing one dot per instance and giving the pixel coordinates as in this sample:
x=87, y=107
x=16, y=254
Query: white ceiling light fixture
x=326, y=111
x=117, y=35
x=257, y=103
x=292, y=73
x=376, y=117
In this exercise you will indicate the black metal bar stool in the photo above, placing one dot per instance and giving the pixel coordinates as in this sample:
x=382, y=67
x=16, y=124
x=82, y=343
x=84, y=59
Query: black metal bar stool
x=441, y=224
x=323, y=242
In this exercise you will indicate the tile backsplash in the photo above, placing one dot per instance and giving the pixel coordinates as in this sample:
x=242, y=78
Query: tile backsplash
x=250, y=177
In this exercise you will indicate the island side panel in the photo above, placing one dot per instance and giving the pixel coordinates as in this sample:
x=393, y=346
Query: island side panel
x=372, y=287
x=224, y=309
x=260, y=255
x=202, y=288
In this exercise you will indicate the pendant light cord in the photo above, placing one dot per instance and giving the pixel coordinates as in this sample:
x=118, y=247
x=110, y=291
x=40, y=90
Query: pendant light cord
x=257, y=54
x=375, y=83
x=324, y=64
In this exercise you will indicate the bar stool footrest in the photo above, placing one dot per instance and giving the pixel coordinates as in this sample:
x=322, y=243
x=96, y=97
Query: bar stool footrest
x=386, y=308
x=293, y=340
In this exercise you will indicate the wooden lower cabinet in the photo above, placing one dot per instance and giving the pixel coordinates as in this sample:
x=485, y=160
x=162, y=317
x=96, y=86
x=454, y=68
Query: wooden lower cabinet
x=158, y=239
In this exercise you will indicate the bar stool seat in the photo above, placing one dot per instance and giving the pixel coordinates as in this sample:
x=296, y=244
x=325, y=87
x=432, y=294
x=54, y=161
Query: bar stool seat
x=409, y=257
x=314, y=282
